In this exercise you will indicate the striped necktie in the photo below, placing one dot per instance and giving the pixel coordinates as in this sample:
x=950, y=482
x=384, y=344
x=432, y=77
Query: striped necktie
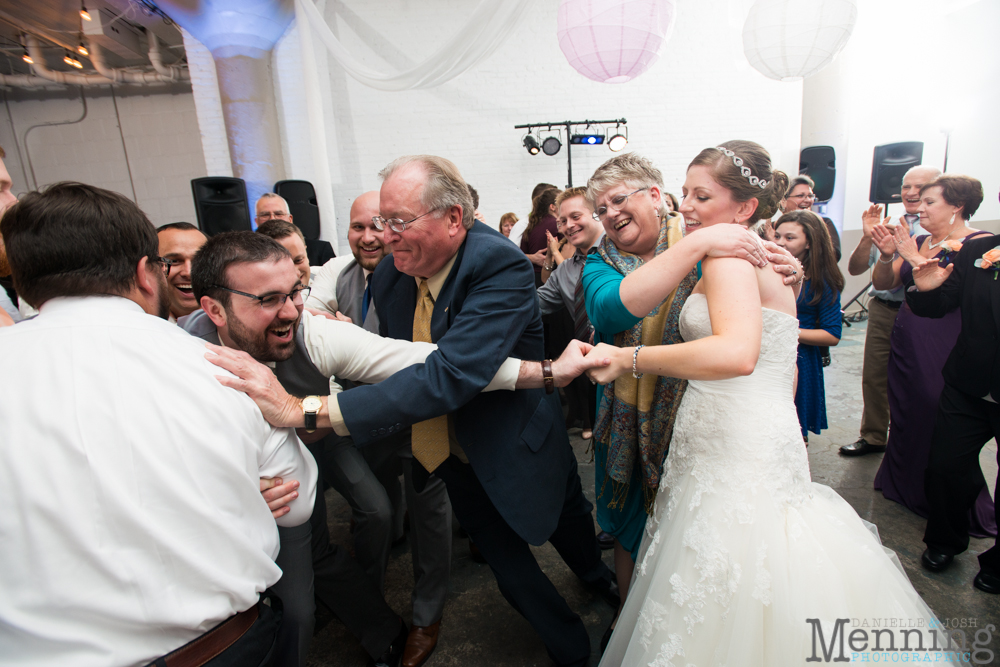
x=430, y=437
x=581, y=323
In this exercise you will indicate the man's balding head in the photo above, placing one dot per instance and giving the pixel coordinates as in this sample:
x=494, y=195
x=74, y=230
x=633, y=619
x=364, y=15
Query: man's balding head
x=914, y=179
x=366, y=241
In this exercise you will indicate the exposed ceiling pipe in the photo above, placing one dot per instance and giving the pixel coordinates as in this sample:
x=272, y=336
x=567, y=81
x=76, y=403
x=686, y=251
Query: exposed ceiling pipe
x=44, y=72
x=173, y=72
x=26, y=81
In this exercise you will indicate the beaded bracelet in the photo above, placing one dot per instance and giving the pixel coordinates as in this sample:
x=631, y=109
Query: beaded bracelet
x=635, y=357
x=889, y=262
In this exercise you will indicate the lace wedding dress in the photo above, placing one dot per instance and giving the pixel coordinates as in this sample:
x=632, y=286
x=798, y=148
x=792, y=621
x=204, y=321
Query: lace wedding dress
x=742, y=547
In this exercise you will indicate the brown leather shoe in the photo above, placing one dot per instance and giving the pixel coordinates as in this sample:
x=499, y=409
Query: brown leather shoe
x=420, y=644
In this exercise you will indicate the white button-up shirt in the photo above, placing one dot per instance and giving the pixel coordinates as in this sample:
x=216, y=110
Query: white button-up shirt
x=133, y=519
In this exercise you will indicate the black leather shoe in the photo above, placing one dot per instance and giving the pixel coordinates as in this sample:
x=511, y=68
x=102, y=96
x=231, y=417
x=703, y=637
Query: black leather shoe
x=605, y=540
x=861, y=447
x=608, y=590
x=987, y=582
x=394, y=654
x=935, y=561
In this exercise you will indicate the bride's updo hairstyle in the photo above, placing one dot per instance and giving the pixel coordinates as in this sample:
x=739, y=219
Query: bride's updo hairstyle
x=630, y=169
x=744, y=168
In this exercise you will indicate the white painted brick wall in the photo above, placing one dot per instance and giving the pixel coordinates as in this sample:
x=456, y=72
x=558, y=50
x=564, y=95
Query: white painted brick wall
x=161, y=138
x=697, y=95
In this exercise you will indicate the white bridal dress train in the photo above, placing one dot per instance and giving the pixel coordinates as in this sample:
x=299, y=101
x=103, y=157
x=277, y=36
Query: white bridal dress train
x=742, y=547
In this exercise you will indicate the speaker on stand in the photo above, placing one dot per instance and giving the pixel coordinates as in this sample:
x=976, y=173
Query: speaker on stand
x=301, y=198
x=889, y=164
x=220, y=203
x=820, y=164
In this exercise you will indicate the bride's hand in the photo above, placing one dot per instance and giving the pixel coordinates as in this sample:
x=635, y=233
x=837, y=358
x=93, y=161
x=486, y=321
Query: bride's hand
x=621, y=361
x=733, y=241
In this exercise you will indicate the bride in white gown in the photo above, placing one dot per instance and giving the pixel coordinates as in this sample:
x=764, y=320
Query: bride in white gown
x=742, y=549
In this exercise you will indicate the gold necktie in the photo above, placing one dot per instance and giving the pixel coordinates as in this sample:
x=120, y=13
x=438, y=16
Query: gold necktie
x=430, y=438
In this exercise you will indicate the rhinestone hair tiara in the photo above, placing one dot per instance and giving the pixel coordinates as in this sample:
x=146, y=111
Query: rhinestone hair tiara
x=747, y=174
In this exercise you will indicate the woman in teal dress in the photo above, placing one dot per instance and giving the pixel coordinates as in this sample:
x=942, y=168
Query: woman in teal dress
x=644, y=244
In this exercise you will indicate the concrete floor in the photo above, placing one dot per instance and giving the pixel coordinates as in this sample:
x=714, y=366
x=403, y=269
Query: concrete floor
x=480, y=628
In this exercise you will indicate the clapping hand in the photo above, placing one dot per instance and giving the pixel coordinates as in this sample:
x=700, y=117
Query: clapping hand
x=870, y=218
x=905, y=245
x=928, y=274
x=552, y=242
x=883, y=239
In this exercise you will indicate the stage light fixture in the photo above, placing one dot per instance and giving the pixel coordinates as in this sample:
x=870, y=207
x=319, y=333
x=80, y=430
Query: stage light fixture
x=28, y=59
x=618, y=141
x=84, y=14
x=71, y=61
x=82, y=50
x=551, y=145
x=531, y=144
x=587, y=139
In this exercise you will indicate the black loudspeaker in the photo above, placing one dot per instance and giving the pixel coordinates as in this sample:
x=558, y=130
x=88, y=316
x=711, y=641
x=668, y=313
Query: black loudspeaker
x=301, y=198
x=820, y=164
x=890, y=164
x=221, y=204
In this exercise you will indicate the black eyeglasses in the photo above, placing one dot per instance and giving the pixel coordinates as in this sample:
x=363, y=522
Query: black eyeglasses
x=272, y=301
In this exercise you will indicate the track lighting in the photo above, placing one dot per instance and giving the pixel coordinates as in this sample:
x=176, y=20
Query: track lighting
x=82, y=50
x=84, y=14
x=28, y=59
x=70, y=60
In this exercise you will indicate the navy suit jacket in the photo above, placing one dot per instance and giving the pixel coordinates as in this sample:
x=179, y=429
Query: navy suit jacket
x=974, y=363
x=487, y=311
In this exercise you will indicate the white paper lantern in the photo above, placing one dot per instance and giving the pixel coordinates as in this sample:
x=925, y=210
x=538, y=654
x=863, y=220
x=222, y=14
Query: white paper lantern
x=614, y=41
x=789, y=40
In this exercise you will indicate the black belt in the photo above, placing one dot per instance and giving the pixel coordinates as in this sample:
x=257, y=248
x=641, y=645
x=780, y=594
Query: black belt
x=889, y=304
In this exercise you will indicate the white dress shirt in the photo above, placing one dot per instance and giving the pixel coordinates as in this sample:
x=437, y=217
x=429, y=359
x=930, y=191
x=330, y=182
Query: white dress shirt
x=129, y=474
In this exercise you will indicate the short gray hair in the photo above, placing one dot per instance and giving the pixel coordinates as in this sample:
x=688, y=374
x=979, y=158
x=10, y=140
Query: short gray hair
x=272, y=195
x=630, y=169
x=443, y=188
x=933, y=171
x=801, y=179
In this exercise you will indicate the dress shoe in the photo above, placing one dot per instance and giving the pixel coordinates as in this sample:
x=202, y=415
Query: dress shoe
x=935, y=561
x=987, y=582
x=608, y=590
x=861, y=447
x=605, y=540
x=420, y=644
x=394, y=654
x=476, y=554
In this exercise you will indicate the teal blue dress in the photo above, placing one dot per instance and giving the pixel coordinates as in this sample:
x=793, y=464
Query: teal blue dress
x=609, y=315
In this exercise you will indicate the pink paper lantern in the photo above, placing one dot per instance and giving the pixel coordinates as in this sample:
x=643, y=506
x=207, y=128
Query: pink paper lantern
x=614, y=41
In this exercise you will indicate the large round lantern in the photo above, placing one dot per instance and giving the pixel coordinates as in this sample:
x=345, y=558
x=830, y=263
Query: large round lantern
x=789, y=40
x=614, y=41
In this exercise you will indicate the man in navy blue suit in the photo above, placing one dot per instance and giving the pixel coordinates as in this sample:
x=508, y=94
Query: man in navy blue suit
x=504, y=455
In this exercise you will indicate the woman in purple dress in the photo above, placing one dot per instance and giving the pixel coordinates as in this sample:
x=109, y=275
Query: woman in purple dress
x=920, y=346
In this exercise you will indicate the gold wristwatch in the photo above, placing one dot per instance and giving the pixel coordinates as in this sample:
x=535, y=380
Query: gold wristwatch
x=310, y=408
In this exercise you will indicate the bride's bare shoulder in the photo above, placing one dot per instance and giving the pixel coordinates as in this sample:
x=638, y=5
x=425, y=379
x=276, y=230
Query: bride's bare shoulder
x=774, y=294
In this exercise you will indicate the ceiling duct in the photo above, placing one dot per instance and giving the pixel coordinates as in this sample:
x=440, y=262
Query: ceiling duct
x=117, y=36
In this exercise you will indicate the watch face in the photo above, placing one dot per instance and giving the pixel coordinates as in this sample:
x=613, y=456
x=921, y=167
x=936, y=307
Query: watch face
x=311, y=404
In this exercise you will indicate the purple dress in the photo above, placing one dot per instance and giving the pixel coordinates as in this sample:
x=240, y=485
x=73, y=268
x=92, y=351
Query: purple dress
x=919, y=346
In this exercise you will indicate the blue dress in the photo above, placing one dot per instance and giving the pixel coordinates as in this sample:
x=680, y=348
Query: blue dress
x=810, y=396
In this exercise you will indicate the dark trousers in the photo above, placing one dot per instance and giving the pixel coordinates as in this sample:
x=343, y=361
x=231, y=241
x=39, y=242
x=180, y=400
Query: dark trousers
x=954, y=479
x=312, y=565
x=581, y=395
x=518, y=575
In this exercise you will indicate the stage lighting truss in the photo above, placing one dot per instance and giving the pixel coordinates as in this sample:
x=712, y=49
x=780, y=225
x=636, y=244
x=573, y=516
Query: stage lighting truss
x=588, y=133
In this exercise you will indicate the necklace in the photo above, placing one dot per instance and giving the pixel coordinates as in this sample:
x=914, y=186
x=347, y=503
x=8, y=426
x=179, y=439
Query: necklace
x=935, y=245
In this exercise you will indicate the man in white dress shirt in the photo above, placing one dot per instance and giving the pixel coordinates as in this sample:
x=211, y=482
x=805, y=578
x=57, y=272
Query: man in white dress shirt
x=131, y=532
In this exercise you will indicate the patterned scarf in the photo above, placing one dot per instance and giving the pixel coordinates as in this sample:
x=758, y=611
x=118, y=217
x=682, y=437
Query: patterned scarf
x=636, y=417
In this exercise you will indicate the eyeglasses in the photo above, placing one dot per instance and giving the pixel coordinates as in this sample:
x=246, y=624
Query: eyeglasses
x=273, y=216
x=803, y=197
x=616, y=203
x=168, y=263
x=272, y=301
x=395, y=224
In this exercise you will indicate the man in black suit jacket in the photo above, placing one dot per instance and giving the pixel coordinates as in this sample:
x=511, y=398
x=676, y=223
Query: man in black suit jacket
x=968, y=415
x=509, y=469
